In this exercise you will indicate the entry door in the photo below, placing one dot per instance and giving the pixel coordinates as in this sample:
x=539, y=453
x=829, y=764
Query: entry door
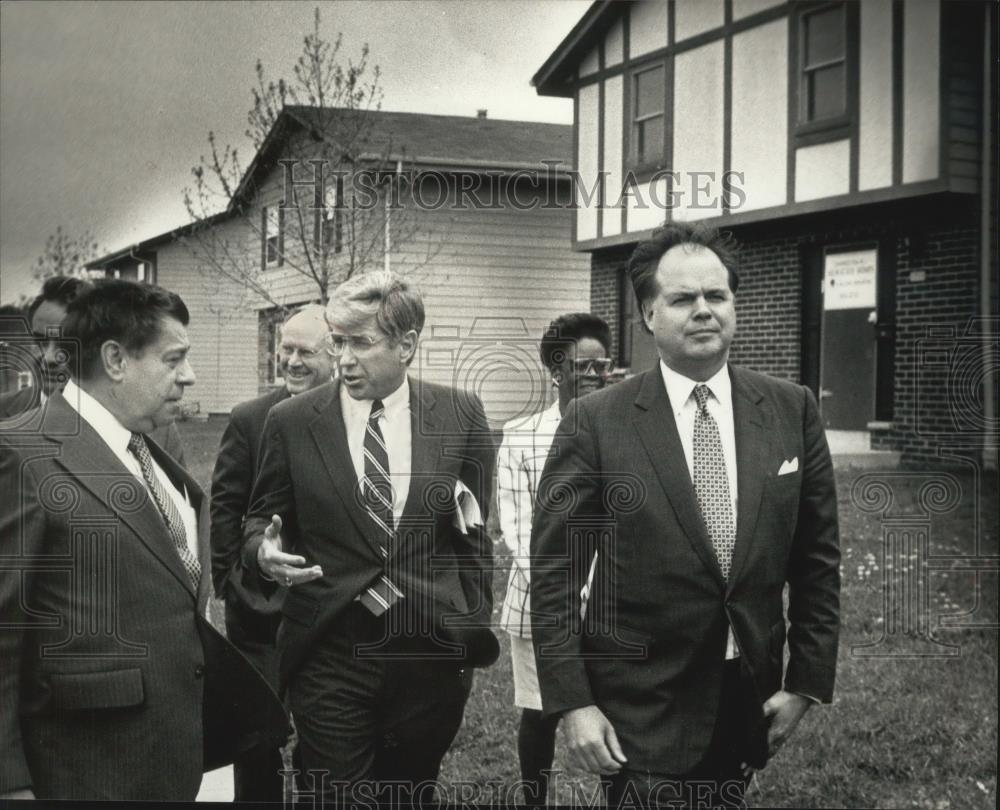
x=847, y=354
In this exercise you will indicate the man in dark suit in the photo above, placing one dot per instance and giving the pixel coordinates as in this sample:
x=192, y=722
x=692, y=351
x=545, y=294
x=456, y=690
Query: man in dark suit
x=251, y=619
x=45, y=315
x=369, y=508
x=709, y=487
x=113, y=684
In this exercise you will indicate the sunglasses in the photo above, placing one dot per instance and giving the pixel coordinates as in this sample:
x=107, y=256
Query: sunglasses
x=596, y=367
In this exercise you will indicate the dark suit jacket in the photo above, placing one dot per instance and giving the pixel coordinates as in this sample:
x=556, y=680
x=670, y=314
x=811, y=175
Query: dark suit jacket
x=17, y=404
x=651, y=650
x=307, y=477
x=113, y=684
x=249, y=615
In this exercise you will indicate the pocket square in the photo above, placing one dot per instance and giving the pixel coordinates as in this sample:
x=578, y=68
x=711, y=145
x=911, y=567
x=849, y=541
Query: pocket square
x=789, y=466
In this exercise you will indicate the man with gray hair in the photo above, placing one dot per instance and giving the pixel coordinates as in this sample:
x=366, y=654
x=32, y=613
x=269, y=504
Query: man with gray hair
x=369, y=509
x=305, y=362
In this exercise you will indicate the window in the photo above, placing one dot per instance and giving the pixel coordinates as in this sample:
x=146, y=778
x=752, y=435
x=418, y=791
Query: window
x=272, y=226
x=648, y=95
x=331, y=227
x=823, y=64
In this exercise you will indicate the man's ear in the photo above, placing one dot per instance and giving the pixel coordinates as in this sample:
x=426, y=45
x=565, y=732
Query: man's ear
x=114, y=359
x=647, y=315
x=408, y=346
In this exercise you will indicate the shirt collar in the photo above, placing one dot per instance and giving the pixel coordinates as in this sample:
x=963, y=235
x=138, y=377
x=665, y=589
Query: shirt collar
x=397, y=402
x=114, y=433
x=679, y=387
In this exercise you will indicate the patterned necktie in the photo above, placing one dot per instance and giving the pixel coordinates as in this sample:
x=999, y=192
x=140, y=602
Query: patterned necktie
x=168, y=510
x=711, y=483
x=376, y=490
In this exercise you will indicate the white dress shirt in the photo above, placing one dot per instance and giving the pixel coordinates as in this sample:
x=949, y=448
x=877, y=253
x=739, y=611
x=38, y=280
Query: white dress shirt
x=680, y=389
x=396, y=431
x=116, y=436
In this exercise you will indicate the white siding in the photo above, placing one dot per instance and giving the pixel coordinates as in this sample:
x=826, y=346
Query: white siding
x=822, y=170
x=921, y=97
x=698, y=128
x=614, y=44
x=612, y=221
x=587, y=126
x=760, y=112
x=647, y=27
x=875, y=102
x=692, y=17
x=744, y=8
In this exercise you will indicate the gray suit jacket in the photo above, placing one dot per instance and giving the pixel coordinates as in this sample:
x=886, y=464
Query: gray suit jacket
x=113, y=684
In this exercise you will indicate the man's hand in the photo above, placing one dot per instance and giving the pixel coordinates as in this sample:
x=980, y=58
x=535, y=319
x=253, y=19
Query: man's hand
x=593, y=744
x=784, y=709
x=285, y=569
x=22, y=794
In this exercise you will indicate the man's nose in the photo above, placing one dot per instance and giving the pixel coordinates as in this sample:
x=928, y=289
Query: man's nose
x=701, y=308
x=185, y=373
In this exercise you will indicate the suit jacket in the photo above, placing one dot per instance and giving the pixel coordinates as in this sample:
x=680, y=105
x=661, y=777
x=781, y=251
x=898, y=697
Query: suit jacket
x=249, y=615
x=307, y=477
x=650, y=651
x=113, y=685
x=17, y=404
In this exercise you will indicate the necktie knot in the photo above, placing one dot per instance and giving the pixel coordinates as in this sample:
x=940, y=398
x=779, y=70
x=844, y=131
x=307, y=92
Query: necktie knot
x=701, y=394
x=377, y=410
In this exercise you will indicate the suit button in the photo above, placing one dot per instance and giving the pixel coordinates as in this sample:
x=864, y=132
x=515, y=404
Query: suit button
x=199, y=671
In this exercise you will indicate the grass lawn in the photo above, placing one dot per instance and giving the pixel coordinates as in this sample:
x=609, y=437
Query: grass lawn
x=914, y=719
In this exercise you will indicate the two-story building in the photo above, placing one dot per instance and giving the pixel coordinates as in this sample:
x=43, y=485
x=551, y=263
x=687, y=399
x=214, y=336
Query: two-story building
x=849, y=147
x=479, y=221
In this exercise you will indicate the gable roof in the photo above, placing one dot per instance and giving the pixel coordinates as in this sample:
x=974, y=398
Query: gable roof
x=454, y=142
x=555, y=76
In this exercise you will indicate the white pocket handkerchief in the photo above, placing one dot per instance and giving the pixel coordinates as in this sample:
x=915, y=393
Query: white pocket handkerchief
x=789, y=466
x=467, y=514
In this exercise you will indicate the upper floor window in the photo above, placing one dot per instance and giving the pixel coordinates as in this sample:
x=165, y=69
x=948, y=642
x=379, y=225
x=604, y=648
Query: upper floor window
x=272, y=222
x=331, y=226
x=648, y=94
x=823, y=64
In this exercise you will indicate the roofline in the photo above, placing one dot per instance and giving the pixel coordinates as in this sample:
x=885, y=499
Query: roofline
x=575, y=41
x=146, y=244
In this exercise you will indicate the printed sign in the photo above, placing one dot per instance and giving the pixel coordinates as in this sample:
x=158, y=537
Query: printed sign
x=849, y=280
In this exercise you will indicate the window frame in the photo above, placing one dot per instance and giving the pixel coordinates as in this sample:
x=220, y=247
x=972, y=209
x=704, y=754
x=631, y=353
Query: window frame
x=644, y=169
x=267, y=262
x=833, y=127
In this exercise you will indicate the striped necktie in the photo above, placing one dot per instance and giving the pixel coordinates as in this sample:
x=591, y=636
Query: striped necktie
x=711, y=482
x=377, y=495
x=168, y=510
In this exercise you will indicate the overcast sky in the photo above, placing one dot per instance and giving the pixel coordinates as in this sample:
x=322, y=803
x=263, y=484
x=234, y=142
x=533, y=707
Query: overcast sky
x=104, y=107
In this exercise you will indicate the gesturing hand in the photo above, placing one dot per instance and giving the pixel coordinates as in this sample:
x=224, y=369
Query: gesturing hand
x=286, y=569
x=593, y=744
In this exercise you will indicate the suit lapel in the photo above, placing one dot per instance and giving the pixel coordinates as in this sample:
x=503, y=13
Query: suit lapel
x=91, y=463
x=330, y=436
x=657, y=429
x=425, y=447
x=750, y=422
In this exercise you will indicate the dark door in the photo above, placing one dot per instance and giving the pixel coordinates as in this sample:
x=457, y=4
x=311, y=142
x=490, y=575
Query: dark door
x=847, y=338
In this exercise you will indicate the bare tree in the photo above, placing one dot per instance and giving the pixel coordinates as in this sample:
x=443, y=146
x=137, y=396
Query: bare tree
x=320, y=130
x=66, y=254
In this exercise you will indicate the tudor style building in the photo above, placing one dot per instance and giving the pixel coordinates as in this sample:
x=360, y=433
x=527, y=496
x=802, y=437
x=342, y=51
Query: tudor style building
x=848, y=146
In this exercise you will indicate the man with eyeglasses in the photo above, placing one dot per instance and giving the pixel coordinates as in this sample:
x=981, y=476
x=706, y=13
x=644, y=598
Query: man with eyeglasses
x=575, y=350
x=252, y=620
x=52, y=360
x=369, y=509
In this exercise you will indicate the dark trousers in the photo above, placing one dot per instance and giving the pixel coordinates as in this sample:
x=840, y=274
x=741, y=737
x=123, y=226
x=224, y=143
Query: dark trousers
x=258, y=774
x=375, y=713
x=717, y=781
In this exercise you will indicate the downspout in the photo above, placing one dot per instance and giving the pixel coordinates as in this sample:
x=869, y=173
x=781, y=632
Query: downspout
x=985, y=224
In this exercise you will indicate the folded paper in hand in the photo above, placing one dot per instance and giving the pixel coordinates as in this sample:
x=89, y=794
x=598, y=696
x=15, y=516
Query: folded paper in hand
x=467, y=512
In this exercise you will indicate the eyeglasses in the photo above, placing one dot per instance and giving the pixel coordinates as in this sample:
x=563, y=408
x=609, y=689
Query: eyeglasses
x=359, y=344
x=593, y=367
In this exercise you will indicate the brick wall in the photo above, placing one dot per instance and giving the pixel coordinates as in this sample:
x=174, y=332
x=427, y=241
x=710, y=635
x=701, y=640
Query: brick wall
x=935, y=400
